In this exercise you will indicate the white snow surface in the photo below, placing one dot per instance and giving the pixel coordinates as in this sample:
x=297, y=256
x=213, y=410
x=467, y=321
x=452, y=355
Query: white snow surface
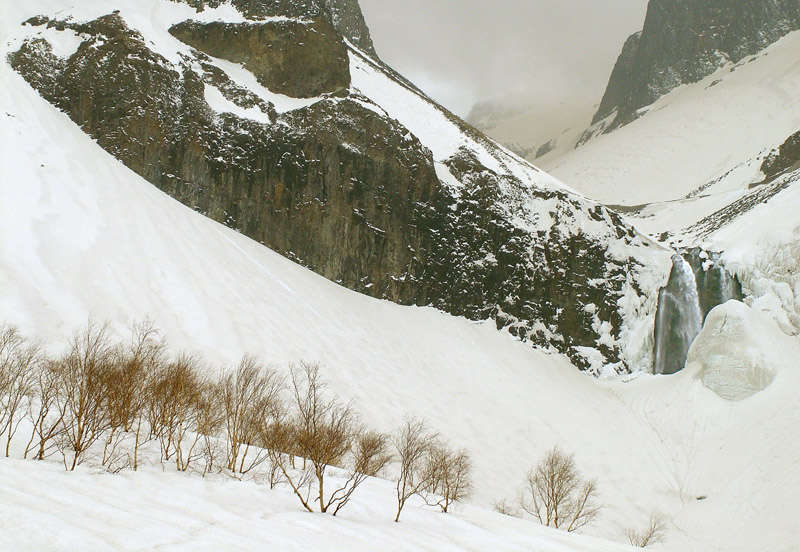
x=82, y=235
x=736, y=355
x=219, y=103
x=151, y=510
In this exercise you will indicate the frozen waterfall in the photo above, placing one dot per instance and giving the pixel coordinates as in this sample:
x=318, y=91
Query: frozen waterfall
x=697, y=284
x=679, y=319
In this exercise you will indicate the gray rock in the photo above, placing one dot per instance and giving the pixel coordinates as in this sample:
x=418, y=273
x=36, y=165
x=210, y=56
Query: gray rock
x=684, y=41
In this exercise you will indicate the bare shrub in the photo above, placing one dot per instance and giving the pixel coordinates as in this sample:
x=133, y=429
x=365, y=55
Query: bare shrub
x=145, y=356
x=320, y=430
x=446, y=476
x=653, y=533
x=247, y=395
x=19, y=361
x=503, y=507
x=173, y=399
x=412, y=445
x=47, y=418
x=370, y=456
x=81, y=375
x=126, y=384
x=557, y=495
x=276, y=435
x=209, y=423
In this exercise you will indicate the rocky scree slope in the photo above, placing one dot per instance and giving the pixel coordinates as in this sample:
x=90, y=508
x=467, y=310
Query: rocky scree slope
x=684, y=41
x=337, y=185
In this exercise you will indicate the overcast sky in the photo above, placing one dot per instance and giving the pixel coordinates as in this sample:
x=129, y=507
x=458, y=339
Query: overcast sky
x=548, y=52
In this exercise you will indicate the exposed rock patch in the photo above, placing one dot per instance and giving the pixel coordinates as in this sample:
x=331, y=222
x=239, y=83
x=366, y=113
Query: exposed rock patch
x=786, y=158
x=684, y=41
x=345, y=15
x=301, y=60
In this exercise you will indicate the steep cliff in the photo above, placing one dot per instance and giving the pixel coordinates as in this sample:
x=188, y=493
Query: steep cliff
x=345, y=15
x=684, y=41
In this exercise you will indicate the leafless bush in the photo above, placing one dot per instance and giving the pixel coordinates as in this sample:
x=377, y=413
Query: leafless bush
x=145, y=357
x=503, y=507
x=557, y=495
x=320, y=430
x=174, y=398
x=19, y=361
x=446, y=476
x=276, y=435
x=81, y=375
x=370, y=456
x=209, y=423
x=412, y=444
x=125, y=387
x=248, y=394
x=653, y=533
x=47, y=418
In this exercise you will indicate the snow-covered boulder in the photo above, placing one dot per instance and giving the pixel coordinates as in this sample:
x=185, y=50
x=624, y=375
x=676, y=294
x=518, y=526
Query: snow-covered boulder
x=738, y=353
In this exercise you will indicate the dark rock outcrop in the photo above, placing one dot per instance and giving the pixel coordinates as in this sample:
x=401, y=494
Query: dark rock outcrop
x=345, y=15
x=302, y=60
x=622, y=81
x=786, y=158
x=684, y=41
x=546, y=148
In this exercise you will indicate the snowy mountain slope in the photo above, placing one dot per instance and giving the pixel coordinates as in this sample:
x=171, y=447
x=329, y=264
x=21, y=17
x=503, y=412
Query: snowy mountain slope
x=114, y=247
x=684, y=41
x=80, y=234
x=356, y=175
x=698, y=148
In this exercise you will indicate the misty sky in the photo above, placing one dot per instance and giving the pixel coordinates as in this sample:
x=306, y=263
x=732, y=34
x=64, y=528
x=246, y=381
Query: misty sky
x=552, y=53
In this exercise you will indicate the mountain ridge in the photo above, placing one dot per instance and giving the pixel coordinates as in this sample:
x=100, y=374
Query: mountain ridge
x=412, y=205
x=684, y=41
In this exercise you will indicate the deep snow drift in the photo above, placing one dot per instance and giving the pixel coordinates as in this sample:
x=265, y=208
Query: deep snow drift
x=81, y=235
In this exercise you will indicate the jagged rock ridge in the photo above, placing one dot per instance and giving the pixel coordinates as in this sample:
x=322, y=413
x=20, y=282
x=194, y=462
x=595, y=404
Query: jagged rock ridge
x=682, y=42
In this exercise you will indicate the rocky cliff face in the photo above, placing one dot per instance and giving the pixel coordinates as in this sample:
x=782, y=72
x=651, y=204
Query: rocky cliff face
x=345, y=15
x=294, y=58
x=684, y=41
x=342, y=188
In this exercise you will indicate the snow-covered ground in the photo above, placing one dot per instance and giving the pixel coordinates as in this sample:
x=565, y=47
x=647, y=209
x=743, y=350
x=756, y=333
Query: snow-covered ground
x=82, y=235
x=151, y=510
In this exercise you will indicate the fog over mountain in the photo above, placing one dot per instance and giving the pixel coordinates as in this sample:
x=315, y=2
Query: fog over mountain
x=553, y=55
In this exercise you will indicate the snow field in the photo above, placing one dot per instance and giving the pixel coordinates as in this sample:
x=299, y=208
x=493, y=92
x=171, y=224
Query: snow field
x=156, y=510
